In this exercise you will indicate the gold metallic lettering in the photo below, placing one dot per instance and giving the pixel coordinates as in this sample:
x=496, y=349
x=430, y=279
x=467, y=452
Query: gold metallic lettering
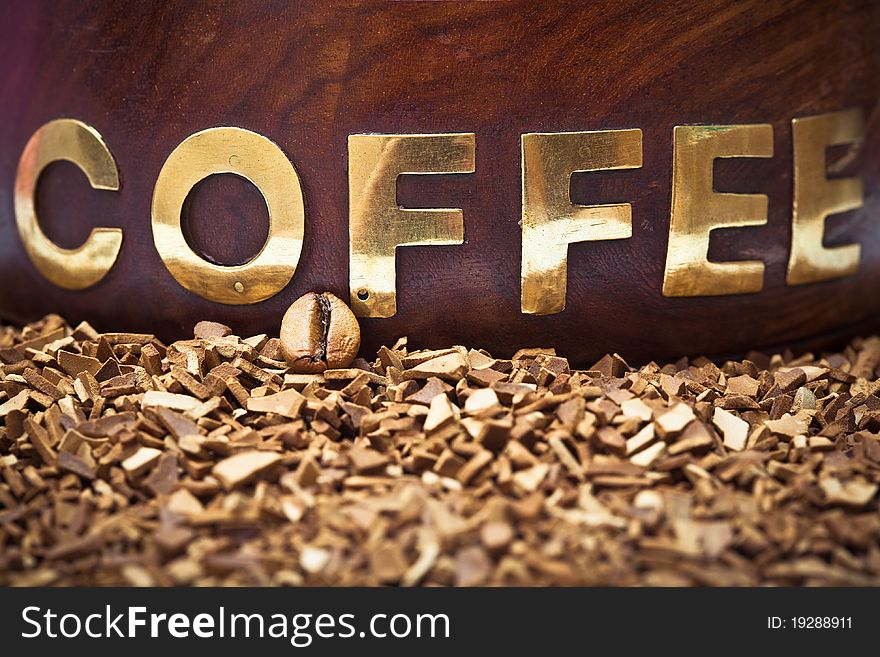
x=259, y=160
x=816, y=197
x=697, y=210
x=550, y=221
x=377, y=226
x=76, y=142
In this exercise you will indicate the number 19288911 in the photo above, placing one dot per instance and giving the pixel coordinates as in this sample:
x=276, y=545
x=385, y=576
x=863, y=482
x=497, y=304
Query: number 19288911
x=809, y=623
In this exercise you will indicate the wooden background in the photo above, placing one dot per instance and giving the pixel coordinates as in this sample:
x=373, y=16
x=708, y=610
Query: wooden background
x=306, y=75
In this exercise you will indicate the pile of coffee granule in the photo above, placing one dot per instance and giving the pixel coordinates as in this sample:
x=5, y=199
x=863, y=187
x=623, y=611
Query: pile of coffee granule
x=124, y=461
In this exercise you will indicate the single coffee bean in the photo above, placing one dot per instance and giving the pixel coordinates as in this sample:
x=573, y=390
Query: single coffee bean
x=319, y=332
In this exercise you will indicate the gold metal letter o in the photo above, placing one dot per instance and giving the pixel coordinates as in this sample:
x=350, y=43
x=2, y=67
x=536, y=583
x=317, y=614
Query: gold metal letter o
x=262, y=162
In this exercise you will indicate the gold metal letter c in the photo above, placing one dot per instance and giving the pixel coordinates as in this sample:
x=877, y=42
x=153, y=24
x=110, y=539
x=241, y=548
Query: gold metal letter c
x=76, y=142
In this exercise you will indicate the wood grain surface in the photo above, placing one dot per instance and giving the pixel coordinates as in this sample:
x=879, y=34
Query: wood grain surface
x=307, y=74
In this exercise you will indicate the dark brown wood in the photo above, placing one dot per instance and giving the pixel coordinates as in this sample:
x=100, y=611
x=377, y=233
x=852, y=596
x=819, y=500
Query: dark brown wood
x=306, y=75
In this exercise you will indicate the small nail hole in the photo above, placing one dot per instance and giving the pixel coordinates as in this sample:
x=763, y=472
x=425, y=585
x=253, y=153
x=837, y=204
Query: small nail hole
x=363, y=295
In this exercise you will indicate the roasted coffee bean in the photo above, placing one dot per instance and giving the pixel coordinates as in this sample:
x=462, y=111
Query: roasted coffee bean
x=319, y=332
